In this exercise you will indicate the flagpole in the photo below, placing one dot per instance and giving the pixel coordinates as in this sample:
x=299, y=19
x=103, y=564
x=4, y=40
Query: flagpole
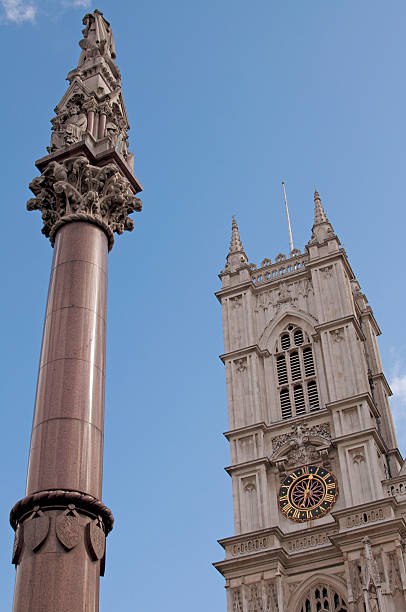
x=287, y=217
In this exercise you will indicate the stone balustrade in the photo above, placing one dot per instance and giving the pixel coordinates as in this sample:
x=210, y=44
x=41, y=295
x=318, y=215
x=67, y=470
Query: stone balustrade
x=271, y=271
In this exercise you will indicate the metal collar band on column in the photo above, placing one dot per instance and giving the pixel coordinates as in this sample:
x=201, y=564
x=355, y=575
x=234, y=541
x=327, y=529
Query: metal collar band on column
x=60, y=499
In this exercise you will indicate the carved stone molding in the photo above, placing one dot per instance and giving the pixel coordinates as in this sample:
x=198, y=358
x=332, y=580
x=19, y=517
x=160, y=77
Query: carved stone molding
x=300, y=434
x=74, y=190
x=45, y=500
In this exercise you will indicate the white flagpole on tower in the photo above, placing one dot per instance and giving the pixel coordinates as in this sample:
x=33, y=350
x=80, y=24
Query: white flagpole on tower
x=288, y=218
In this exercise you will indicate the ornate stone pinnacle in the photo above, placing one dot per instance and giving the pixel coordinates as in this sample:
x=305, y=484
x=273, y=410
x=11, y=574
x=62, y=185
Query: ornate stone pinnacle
x=74, y=190
x=236, y=257
x=93, y=107
x=322, y=228
x=235, y=243
x=319, y=213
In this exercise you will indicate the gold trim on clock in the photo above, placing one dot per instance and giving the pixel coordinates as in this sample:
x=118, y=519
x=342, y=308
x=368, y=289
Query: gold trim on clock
x=308, y=493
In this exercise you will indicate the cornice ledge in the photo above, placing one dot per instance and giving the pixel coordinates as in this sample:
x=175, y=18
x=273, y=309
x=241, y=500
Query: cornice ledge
x=355, y=435
x=353, y=537
x=340, y=254
x=256, y=560
x=229, y=291
x=243, y=352
x=252, y=535
x=396, y=453
x=353, y=399
x=381, y=377
x=341, y=321
x=248, y=464
x=246, y=429
x=368, y=314
x=371, y=505
x=287, y=424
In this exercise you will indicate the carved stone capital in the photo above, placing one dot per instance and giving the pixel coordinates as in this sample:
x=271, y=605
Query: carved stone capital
x=74, y=190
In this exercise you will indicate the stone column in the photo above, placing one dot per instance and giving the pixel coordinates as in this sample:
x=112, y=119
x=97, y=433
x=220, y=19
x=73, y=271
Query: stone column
x=61, y=524
x=102, y=121
x=67, y=438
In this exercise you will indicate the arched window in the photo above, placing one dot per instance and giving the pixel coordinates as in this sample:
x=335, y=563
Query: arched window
x=296, y=373
x=321, y=598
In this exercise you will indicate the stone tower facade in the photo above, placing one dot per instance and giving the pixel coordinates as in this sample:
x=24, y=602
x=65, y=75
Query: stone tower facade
x=319, y=486
x=85, y=193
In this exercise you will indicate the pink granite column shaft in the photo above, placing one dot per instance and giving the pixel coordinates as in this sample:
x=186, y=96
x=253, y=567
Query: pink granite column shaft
x=102, y=125
x=67, y=438
x=90, y=121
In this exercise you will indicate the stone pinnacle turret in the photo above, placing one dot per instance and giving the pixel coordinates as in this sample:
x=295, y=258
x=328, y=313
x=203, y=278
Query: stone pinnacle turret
x=322, y=228
x=86, y=192
x=235, y=242
x=236, y=256
x=319, y=213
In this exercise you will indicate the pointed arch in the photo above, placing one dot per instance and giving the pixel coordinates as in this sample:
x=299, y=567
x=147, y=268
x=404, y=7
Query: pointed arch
x=335, y=584
x=275, y=326
x=289, y=340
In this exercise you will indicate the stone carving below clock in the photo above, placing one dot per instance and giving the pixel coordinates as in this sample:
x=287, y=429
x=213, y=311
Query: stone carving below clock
x=254, y=598
x=395, y=580
x=300, y=434
x=271, y=597
x=74, y=190
x=236, y=600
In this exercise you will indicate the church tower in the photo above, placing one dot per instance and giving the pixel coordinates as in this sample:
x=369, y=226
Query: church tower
x=85, y=192
x=319, y=486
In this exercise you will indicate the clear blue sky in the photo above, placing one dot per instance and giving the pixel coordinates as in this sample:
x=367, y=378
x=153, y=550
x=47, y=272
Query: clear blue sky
x=225, y=99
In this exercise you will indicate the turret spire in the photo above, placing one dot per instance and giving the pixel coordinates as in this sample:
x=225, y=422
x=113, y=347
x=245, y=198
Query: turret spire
x=319, y=213
x=235, y=243
x=322, y=229
x=236, y=257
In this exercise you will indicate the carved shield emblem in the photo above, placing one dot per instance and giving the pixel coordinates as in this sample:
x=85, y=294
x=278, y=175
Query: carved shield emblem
x=18, y=544
x=95, y=539
x=67, y=530
x=36, y=531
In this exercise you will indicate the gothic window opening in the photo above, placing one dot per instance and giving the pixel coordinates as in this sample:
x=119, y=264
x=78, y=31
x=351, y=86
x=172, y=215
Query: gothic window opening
x=296, y=373
x=282, y=370
x=300, y=405
x=286, y=406
x=285, y=341
x=322, y=598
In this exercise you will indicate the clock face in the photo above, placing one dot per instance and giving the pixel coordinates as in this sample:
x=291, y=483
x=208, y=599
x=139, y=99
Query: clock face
x=308, y=493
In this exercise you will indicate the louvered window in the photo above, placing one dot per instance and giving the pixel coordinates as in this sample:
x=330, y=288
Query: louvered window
x=295, y=366
x=285, y=404
x=308, y=361
x=300, y=405
x=296, y=373
x=285, y=342
x=282, y=370
x=313, y=395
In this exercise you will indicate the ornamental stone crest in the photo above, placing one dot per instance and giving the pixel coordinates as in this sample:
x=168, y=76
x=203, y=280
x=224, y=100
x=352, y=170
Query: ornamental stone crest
x=300, y=434
x=74, y=190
